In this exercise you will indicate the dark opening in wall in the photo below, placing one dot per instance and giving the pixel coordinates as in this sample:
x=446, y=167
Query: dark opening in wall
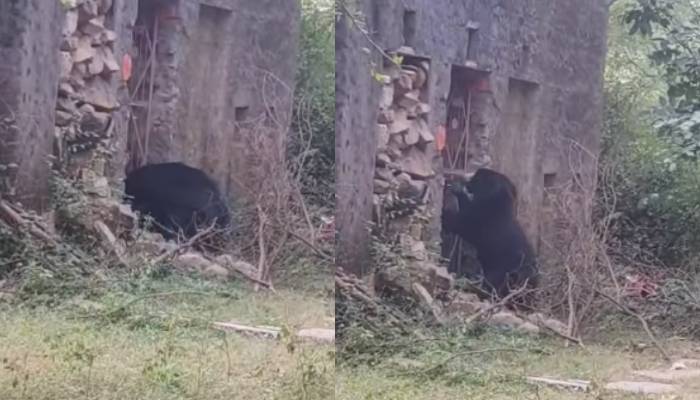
x=410, y=20
x=213, y=14
x=472, y=40
x=550, y=180
x=463, y=101
x=147, y=35
x=518, y=155
x=518, y=143
x=465, y=104
x=241, y=113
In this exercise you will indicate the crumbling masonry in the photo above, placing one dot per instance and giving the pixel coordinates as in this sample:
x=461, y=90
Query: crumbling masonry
x=507, y=85
x=98, y=87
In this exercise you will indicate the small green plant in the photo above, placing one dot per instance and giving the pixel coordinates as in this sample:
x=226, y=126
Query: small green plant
x=161, y=368
x=68, y=4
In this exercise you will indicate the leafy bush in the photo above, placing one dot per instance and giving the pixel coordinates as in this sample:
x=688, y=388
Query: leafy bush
x=313, y=147
x=649, y=145
x=674, y=28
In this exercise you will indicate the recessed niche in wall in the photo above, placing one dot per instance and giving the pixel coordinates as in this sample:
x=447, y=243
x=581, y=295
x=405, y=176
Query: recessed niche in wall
x=143, y=88
x=462, y=103
x=518, y=143
x=550, y=180
x=472, y=40
x=213, y=14
x=410, y=21
x=241, y=113
x=465, y=103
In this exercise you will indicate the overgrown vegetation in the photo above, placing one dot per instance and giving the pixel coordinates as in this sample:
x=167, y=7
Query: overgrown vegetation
x=150, y=338
x=653, y=127
x=486, y=364
x=649, y=156
x=314, y=111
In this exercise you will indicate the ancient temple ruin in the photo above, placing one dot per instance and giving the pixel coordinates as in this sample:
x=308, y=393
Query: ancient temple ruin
x=433, y=89
x=103, y=86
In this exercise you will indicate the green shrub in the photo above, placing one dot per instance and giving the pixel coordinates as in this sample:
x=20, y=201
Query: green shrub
x=312, y=147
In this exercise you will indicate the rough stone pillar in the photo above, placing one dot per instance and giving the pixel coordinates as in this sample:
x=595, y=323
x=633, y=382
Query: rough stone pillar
x=30, y=31
x=355, y=148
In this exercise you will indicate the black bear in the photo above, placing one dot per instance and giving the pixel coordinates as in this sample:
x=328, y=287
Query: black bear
x=486, y=219
x=180, y=199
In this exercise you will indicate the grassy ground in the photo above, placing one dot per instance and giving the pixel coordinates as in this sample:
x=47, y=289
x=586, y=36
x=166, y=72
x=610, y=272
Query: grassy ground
x=150, y=339
x=492, y=366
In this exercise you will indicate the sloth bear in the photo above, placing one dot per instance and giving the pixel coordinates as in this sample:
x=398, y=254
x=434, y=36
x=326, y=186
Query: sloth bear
x=180, y=199
x=486, y=219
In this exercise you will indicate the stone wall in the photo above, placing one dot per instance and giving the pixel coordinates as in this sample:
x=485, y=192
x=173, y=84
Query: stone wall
x=30, y=32
x=90, y=111
x=533, y=81
x=356, y=108
x=201, y=109
x=222, y=69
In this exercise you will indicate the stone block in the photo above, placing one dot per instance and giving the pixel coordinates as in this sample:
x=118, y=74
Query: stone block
x=417, y=163
x=410, y=99
x=411, y=136
x=400, y=122
x=99, y=93
x=83, y=50
x=387, y=97
x=382, y=132
x=65, y=65
x=94, y=27
x=70, y=23
x=386, y=116
x=110, y=61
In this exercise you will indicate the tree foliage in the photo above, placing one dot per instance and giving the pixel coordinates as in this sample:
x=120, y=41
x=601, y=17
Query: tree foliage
x=313, y=146
x=650, y=142
x=674, y=27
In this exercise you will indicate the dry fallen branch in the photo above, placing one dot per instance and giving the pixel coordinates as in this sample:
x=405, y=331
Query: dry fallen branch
x=14, y=218
x=575, y=384
x=502, y=302
x=170, y=253
x=264, y=331
x=354, y=289
x=314, y=335
x=262, y=264
x=322, y=254
x=248, y=274
x=642, y=320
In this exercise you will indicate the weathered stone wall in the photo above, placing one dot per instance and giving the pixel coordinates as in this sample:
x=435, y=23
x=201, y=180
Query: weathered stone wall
x=356, y=108
x=223, y=68
x=30, y=31
x=222, y=65
x=91, y=111
x=543, y=61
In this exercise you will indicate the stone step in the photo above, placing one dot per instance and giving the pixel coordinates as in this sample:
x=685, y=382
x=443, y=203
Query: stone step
x=645, y=388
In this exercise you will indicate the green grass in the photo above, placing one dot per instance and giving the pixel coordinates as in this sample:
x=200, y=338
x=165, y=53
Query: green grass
x=491, y=366
x=151, y=339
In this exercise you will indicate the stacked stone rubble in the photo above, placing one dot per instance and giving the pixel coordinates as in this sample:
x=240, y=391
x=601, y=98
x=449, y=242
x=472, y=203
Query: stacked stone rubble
x=404, y=157
x=87, y=96
x=404, y=169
